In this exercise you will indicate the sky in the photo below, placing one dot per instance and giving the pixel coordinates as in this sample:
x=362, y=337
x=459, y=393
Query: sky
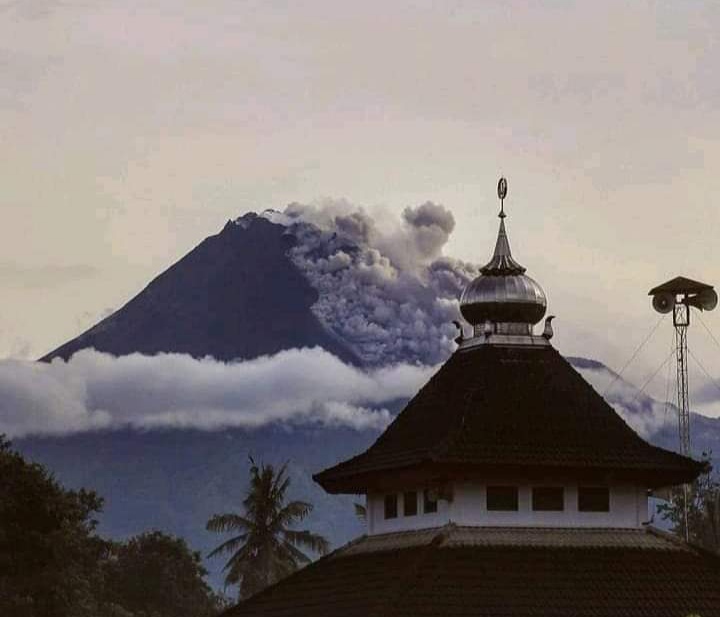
x=129, y=131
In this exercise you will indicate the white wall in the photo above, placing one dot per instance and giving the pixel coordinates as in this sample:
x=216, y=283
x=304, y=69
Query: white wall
x=628, y=509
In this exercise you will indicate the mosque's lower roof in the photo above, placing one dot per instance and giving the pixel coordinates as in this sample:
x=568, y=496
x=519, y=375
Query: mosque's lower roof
x=501, y=572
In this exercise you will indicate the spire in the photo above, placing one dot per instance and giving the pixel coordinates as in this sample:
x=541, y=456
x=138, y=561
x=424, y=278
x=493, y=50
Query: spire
x=502, y=262
x=503, y=299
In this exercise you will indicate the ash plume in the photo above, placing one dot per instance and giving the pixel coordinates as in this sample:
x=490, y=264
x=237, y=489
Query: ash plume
x=387, y=291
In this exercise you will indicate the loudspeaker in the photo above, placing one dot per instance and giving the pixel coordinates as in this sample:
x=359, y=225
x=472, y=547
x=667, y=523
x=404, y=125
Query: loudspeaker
x=706, y=300
x=663, y=302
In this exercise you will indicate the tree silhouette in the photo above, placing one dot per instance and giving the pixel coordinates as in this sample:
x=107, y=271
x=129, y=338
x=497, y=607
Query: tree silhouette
x=264, y=547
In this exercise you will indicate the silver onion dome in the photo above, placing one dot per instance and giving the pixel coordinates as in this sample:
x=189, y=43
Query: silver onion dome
x=503, y=296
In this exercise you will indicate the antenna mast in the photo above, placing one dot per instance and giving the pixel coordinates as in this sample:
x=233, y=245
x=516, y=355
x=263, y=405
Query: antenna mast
x=681, y=321
x=678, y=295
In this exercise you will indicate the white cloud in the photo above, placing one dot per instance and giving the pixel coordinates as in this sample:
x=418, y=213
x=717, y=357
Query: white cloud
x=97, y=390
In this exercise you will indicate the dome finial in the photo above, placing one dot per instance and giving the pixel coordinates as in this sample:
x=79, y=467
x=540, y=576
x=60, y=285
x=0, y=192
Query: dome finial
x=502, y=261
x=502, y=191
x=503, y=298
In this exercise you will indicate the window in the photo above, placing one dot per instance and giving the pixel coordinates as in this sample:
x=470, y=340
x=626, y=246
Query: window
x=502, y=498
x=391, y=509
x=410, y=503
x=429, y=501
x=548, y=498
x=593, y=499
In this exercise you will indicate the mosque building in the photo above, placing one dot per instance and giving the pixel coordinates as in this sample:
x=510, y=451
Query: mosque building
x=506, y=487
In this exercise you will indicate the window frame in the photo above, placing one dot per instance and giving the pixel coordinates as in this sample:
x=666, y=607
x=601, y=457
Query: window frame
x=413, y=501
x=597, y=488
x=499, y=508
x=390, y=513
x=535, y=506
x=429, y=506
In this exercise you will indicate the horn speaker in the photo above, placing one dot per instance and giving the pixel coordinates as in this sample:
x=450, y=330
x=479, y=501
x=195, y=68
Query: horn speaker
x=663, y=302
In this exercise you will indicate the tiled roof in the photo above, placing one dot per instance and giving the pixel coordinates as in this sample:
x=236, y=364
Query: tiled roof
x=496, y=406
x=458, y=572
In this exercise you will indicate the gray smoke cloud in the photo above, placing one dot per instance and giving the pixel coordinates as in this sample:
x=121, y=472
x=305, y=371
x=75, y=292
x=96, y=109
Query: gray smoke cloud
x=96, y=390
x=386, y=290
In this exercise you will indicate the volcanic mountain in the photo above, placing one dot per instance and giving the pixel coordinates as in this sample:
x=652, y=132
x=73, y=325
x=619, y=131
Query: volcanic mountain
x=237, y=295
x=369, y=295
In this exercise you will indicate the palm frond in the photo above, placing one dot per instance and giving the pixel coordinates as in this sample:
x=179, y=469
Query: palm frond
x=315, y=542
x=237, y=571
x=241, y=558
x=297, y=555
x=292, y=512
x=230, y=546
x=281, y=482
x=222, y=523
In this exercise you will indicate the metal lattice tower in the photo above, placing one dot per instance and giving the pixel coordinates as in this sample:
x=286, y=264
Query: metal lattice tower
x=681, y=321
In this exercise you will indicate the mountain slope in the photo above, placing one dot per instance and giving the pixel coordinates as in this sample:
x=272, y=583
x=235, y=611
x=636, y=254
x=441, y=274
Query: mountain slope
x=236, y=295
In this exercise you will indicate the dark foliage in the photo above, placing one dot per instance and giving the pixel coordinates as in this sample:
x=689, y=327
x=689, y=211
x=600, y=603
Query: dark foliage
x=53, y=564
x=157, y=575
x=49, y=553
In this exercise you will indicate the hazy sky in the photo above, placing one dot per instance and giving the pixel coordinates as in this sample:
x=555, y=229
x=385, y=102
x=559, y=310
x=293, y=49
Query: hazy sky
x=131, y=130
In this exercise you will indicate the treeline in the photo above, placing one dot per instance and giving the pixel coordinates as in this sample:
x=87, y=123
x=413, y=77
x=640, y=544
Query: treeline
x=54, y=564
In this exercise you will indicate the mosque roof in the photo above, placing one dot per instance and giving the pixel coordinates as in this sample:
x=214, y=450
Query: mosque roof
x=458, y=571
x=495, y=408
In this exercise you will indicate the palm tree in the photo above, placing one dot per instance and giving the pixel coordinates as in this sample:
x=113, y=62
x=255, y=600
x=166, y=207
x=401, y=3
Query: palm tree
x=264, y=548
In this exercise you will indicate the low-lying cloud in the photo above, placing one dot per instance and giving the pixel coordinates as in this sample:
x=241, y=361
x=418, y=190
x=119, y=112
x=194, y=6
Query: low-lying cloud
x=297, y=387
x=96, y=390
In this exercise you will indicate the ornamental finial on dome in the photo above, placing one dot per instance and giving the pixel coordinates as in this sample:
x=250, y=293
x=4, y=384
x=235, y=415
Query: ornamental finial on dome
x=503, y=294
x=502, y=192
x=502, y=261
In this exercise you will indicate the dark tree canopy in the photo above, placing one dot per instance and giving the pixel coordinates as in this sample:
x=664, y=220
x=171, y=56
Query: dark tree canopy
x=49, y=553
x=53, y=564
x=157, y=575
